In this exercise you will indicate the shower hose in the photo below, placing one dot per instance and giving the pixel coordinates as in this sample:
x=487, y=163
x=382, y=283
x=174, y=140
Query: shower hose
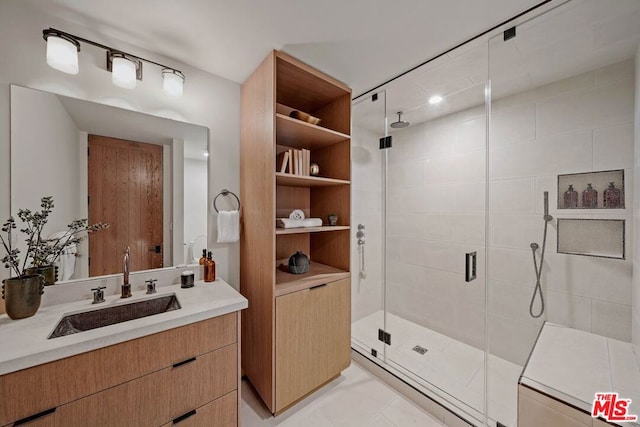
x=538, y=269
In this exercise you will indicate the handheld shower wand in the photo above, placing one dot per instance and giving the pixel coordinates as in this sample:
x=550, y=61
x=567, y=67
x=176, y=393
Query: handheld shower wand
x=546, y=217
x=538, y=268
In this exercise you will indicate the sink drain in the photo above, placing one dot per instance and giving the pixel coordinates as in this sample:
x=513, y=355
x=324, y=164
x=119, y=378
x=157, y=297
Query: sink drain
x=420, y=349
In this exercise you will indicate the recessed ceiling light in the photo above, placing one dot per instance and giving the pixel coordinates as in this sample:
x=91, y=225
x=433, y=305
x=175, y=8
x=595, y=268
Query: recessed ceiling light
x=435, y=99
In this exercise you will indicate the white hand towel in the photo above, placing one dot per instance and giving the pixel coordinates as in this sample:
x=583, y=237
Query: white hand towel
x=297, y=214
x=298, y=223
x=228, y=226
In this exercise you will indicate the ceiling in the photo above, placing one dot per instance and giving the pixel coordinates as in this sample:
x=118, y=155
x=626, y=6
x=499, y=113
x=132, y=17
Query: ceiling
x=361, y=42
x=100, y=119
x=571, y=39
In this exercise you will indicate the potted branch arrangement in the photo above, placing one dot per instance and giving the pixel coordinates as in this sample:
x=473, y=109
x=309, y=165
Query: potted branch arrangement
x=23, y=291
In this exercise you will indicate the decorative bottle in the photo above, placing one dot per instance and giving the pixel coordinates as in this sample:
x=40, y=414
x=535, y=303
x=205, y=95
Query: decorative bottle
x=589, y=197
x=203, y=260
x=209, y=269
x=570, y=198
x=612, y=197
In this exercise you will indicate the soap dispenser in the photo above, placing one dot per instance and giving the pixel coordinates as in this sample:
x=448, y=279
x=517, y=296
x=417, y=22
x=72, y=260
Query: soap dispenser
x=209, y=269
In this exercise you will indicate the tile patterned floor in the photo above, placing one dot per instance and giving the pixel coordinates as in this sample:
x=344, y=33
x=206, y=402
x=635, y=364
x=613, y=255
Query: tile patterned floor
x=355, y=399
x=449, y=365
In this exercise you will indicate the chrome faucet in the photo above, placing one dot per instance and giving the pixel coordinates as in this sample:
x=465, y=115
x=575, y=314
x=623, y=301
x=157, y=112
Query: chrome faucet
x=126, y=286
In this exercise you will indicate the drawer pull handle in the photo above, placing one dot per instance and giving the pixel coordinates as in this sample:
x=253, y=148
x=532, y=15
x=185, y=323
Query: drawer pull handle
x=184, y=362
x=34, y=417
x=317, y=286
x=184, y=417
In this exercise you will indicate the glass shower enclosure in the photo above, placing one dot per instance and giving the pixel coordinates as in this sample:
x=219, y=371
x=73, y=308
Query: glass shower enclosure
x=451, y=166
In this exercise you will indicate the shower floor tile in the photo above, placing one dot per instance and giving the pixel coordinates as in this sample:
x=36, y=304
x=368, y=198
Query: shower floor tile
x=454, y=367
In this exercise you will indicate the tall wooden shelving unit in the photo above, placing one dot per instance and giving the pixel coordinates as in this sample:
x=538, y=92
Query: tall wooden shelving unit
x=296, y=331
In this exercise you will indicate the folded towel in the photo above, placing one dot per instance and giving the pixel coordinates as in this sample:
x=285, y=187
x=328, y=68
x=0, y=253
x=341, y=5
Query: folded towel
x=228, y=226
x=297, y=214
x=298, y=223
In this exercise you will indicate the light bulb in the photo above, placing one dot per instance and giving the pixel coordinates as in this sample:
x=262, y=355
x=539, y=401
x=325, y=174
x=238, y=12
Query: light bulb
x=123, y=72
x=172, y=82
x=62, y=55
x=436, y=99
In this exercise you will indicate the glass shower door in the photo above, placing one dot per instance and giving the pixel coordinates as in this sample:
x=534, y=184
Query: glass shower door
x=562, y=115
x=435, y=230
x=367, y=176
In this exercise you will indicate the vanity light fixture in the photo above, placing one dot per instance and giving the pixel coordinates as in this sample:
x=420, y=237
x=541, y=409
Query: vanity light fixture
x=126, y=69
x=435, y=99
x=62, y=51
x=172, y=81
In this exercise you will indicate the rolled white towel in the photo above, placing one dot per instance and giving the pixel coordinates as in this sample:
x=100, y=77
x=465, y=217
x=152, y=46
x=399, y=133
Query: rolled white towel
x=297, y=214
x=298, y=223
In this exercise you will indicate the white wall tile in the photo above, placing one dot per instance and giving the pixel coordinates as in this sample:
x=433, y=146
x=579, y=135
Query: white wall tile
x=512, y=195
x=611, y=320
x=469, y=197
x=471, y=135
x=406, y=175
x=613, y=147
x=615, y=72
x=603, y=106
x=511, y=339
x=568, y=153
x=517, y=124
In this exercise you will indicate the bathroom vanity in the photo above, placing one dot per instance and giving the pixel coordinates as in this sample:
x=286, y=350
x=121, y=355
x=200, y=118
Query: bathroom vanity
x=180, y=366
x=565, y=370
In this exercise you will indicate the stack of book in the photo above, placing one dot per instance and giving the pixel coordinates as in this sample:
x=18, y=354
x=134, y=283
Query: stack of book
x=294, y=162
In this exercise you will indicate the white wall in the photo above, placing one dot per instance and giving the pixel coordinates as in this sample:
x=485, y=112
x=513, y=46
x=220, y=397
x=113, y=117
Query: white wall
x=54, y=170
x=366, y=205
x=580, y=124
x=636, y=213
x=208, y=100
x=195, y=208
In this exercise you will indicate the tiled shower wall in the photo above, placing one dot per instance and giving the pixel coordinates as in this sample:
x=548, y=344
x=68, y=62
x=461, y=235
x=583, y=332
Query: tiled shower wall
x=436, y=213
x=366, y=187
x=580, y=124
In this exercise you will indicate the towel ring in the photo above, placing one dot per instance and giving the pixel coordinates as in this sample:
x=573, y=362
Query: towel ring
x=225, y=192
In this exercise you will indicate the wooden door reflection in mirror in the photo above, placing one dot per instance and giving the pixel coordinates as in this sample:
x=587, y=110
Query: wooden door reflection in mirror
x=125, y=190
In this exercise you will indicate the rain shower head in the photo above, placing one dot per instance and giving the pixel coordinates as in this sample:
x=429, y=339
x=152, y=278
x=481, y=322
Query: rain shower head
x=400, y=123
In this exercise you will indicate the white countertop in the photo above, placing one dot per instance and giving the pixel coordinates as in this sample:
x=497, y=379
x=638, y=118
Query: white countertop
x=25, y=343
x=572, y=366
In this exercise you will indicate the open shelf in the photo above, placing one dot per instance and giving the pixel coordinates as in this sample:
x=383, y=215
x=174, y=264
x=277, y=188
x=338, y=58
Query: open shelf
x=302, y=230
x=290, y=180
x=298, y=134
x=318, y=274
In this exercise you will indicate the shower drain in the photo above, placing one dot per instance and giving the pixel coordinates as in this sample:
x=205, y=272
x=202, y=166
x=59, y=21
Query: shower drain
x=420, y=349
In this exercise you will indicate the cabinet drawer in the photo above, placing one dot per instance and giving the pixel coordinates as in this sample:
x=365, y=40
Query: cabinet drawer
x=222, y=412
x=65, y=380
x=152, y=399
x=313, y=333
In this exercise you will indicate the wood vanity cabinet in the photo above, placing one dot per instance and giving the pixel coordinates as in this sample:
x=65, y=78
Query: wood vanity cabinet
x=297, y=326
x=189, y=375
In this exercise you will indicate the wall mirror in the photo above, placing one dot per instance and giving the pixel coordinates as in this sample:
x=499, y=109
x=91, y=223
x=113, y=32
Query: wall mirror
x=144, y=175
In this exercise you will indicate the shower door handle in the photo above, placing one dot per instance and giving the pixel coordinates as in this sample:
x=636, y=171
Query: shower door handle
x=470, y=265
